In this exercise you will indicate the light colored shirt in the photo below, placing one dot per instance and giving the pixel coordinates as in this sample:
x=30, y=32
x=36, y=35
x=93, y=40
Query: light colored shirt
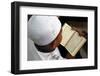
x=55, y=55
x=34, y=54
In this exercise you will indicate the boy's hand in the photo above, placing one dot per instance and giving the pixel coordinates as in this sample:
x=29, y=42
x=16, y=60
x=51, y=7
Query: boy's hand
x=80, y=31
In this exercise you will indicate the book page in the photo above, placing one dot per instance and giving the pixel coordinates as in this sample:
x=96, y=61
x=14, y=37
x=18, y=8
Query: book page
x=67, y=33
x=75, y=44
x=78, y=46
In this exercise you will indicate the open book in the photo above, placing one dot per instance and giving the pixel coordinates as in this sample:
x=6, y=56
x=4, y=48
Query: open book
x=71, y=39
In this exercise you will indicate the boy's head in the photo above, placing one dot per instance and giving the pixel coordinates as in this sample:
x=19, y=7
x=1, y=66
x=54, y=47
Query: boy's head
x=45, y=31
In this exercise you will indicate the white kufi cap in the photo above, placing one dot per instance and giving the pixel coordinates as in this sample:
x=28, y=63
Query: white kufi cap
x=43, y=29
